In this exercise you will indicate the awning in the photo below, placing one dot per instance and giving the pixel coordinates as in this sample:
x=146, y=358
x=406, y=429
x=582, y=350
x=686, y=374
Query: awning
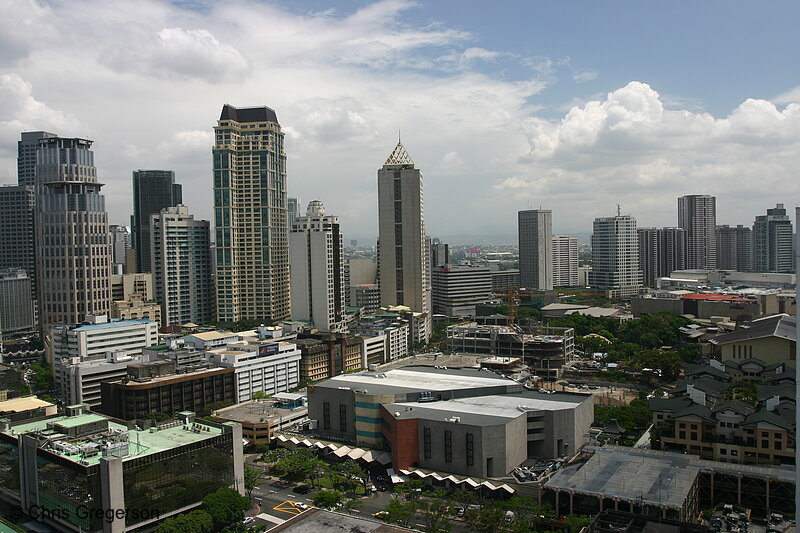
x=306, y=443
x=356, y=453
x=320, y=445
x=369, y=456
x=341, y=452
x=294, y=440
x=384, y=458
x=331, y=447
x=281, y=438
x=507, y=488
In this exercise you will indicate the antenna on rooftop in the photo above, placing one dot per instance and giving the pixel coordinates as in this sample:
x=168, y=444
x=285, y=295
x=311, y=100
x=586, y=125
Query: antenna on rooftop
x=619, y=210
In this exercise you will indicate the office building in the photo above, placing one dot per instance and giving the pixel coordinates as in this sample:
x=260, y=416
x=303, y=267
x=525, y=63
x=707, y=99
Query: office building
x=252, y=262
x=697, y=214
x=88, y=473
x=153, y=190
x=615, y=256
x=73, y=254
x=457, y=289
x=565, y=261
x=120, y=244
x=486, y=436
x=536, y=249
x=363, y=270
x=772, y=241
x=327, y=355
x=160, y=387
x=292, y=210
x=402, y=243
x=135, y=307
x=26, y=156
x=734, y=248
x=17, y=313
x=440, y=253
x=123, y=286
x=261, y=366
x=17, y=247
x=648, y=255
x=367, y=296
x=504, y=279
x=181, y=264
x=316, y=255
x=260, y=419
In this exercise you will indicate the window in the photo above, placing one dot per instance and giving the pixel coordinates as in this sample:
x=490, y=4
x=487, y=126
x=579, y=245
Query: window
x=426, y=443
x=448, y=446
x=343, y=417
x=778, y=445
x=470, y=450
x=765, y=444
x=694, y=435
x=326, y=415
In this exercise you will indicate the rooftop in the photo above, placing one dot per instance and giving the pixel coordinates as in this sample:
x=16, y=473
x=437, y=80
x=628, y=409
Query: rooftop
x=139, y=443
x=212, y=335
x=248, y=114
x=257, y=411
x=112, y=324
x=27, y=403
x=316, y=520
x=780, y=326
x=655, y=477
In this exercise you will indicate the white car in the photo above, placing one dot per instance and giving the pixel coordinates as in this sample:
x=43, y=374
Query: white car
x=248, y=519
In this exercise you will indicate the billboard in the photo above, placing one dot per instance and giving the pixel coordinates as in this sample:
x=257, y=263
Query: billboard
x=268, y=349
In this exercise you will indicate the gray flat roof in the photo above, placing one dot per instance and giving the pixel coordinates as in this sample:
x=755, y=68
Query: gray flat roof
x=656, y=477
x=422, y=379
x=317, y=520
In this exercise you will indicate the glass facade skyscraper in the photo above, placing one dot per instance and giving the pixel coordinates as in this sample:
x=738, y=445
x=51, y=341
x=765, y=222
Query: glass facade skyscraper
x=153, y=190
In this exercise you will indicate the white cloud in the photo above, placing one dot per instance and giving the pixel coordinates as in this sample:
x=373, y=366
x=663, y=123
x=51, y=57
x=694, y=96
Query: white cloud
x=585, y=75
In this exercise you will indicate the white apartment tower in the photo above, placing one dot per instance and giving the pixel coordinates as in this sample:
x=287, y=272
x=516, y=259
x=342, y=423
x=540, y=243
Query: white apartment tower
x=250, y=216
x=615, y=256
x=565, y=261
x=404, y=253
x=697, y=214
x=316, y=254
x=180, y=258
x=536, y=249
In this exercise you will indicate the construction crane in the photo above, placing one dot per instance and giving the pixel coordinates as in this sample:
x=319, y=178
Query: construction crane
x=511, y=297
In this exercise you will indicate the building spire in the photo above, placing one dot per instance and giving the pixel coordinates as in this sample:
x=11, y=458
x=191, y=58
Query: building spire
x=399, y=156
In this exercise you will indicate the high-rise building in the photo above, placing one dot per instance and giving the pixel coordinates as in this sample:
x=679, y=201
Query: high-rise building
x=403, y=249
x=734, y=248
x=697, y=214
x=772, y=241
x=73, y=254
x=26, y=155
x=671, y=250
x=648, y=255
x=16, y=308
x=565, y=261
x=181, y=263
x=292, y=211
x=250, y=216
x=536, y=249
x=440, y=253
x=153, y=190
x=316, y=256
x=615, y=256
x=120, y=243
x=17, y=248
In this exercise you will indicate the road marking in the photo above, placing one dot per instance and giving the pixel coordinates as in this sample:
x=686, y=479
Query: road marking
x=288, y=507
x=269, y=518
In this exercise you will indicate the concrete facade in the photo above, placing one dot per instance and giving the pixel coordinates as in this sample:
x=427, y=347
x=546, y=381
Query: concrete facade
x=615, y=257
x=535, y=232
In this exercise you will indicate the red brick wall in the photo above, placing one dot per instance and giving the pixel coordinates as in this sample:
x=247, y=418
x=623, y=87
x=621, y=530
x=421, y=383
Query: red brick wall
x=403, y=437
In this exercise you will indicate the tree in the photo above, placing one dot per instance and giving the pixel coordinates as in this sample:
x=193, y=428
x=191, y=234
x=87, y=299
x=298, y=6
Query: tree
x=352, y=505
x=225, y=506
x=486, y=518
x=400, y=512
x=434, y=513
x=327, y=499
x=252, y=477
x=197, y=521
x=411, y=488
x=352, y=475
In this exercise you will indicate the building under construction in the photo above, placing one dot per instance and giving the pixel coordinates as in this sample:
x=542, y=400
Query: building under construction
x=667, y=485
x=544, y=350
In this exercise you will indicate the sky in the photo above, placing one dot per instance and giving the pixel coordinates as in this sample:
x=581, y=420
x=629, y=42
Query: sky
x=570, y=106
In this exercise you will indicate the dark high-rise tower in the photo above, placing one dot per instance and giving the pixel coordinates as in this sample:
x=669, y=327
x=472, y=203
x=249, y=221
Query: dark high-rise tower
x=153, y=190
x=250, y=216
x=26, y=155
x=697, y=214
x=535, y=233
x=734, y=248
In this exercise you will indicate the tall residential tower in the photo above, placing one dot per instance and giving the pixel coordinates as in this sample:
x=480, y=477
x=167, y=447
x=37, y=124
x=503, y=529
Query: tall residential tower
x=772, y=241
x=316, y=256
x=250, y=216
x=615, y=256
x=697, y=214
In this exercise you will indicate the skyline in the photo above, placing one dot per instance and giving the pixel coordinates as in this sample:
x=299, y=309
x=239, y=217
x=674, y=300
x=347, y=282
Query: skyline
x=559, y=109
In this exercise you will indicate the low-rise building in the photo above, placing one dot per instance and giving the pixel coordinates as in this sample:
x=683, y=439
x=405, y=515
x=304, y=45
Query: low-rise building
x=771, y=340
x=25, y=407
x=208, y=340
x=86, y=472
x=455, y=290
x=366, y=296
x=486, y=436
x=261, y=418
x=329, y=354
x=136, y=307
x=260, y=366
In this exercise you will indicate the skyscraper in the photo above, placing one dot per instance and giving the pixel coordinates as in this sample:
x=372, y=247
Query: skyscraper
x=565, y=261
x=697, y=214
x=250, y=216
x=73, y=254
x=26, y=156
x=615, y=256
x=772, y=241
x=181, y=262
x=734, y=248
x=316, y=256
x=440, y=253
x=120, y=243
x=153, y=190
x=536, y=249
x=403, y=249
x=292, y=211
x=661, y=251
x=17, y=206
